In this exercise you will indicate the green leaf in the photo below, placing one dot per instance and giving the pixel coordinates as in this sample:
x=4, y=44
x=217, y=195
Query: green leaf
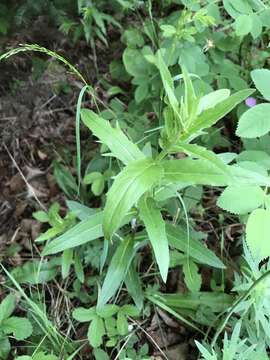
x=98, y=186
x=107, y=311
x=122, y=324
x=37, y=356
x=178, y=239
x=36, y=271
x=130, y=310
x=96, y=332
x=91, y=177
x=85, y=231
x=241, y=199
x=261, y=79
x=21, y=328
x=117, y=270
x=157, y=300
x=41, y=216
x=193, y=279
x=67, y=260
x=84, y=315
x=231, y=10
x=78, y=266
x=206, y=352
x=43, y=356
x=243, y=25
x=217, y=301
x=257, y=233
x=7, y=307
x=210, y=116
x=167, y=81
x=168, y=30
x=100, y=354
x=65, y=179
x=200, y=152
x=120, y=146
x=243, y=176
x=136, y=178
x=133, y=285
x=194, y=172
x=254, y=122
x=257, y=26
x=110, y=325
x=141, y=92
x=4, y=348
x=258, y=157
x=210, y=100
x=155, y=227
x=190, y=97
x=135, y=63
x=81, y=211
x=254, y=167
x=133, y=37
x=200, y=172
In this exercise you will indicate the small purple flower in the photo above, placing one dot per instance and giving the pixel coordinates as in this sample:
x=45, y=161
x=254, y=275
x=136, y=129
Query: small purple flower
x=250, y=102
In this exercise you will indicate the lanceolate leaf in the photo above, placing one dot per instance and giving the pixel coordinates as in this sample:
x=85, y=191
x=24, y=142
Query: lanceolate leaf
x=212, y=99
x=178, y=239
x=117, y=270
x=81, y=211
x=167, y=81
x=243, y=176
x=194, y=172
x=133, y=285
x=201, y=172
x=192, y=277
x=155, y=227
x=86, y=230
x=210, y=116
x=136, y=178
x=190, y=97
x=216, y=300
x=200, y=152
x=120, y=146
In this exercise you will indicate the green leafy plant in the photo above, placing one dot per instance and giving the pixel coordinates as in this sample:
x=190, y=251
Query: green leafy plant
x=142, y=178
x=57, y=223
x=171, y=101
x=37, y=356
x=19, y=328
x=109, y=320
x=233, y=348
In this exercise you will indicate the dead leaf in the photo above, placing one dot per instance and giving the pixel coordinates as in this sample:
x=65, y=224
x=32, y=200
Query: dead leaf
x=178, y=352
x=16, y=184
x=42, y=155
x=32, y=173
x=166, y=318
